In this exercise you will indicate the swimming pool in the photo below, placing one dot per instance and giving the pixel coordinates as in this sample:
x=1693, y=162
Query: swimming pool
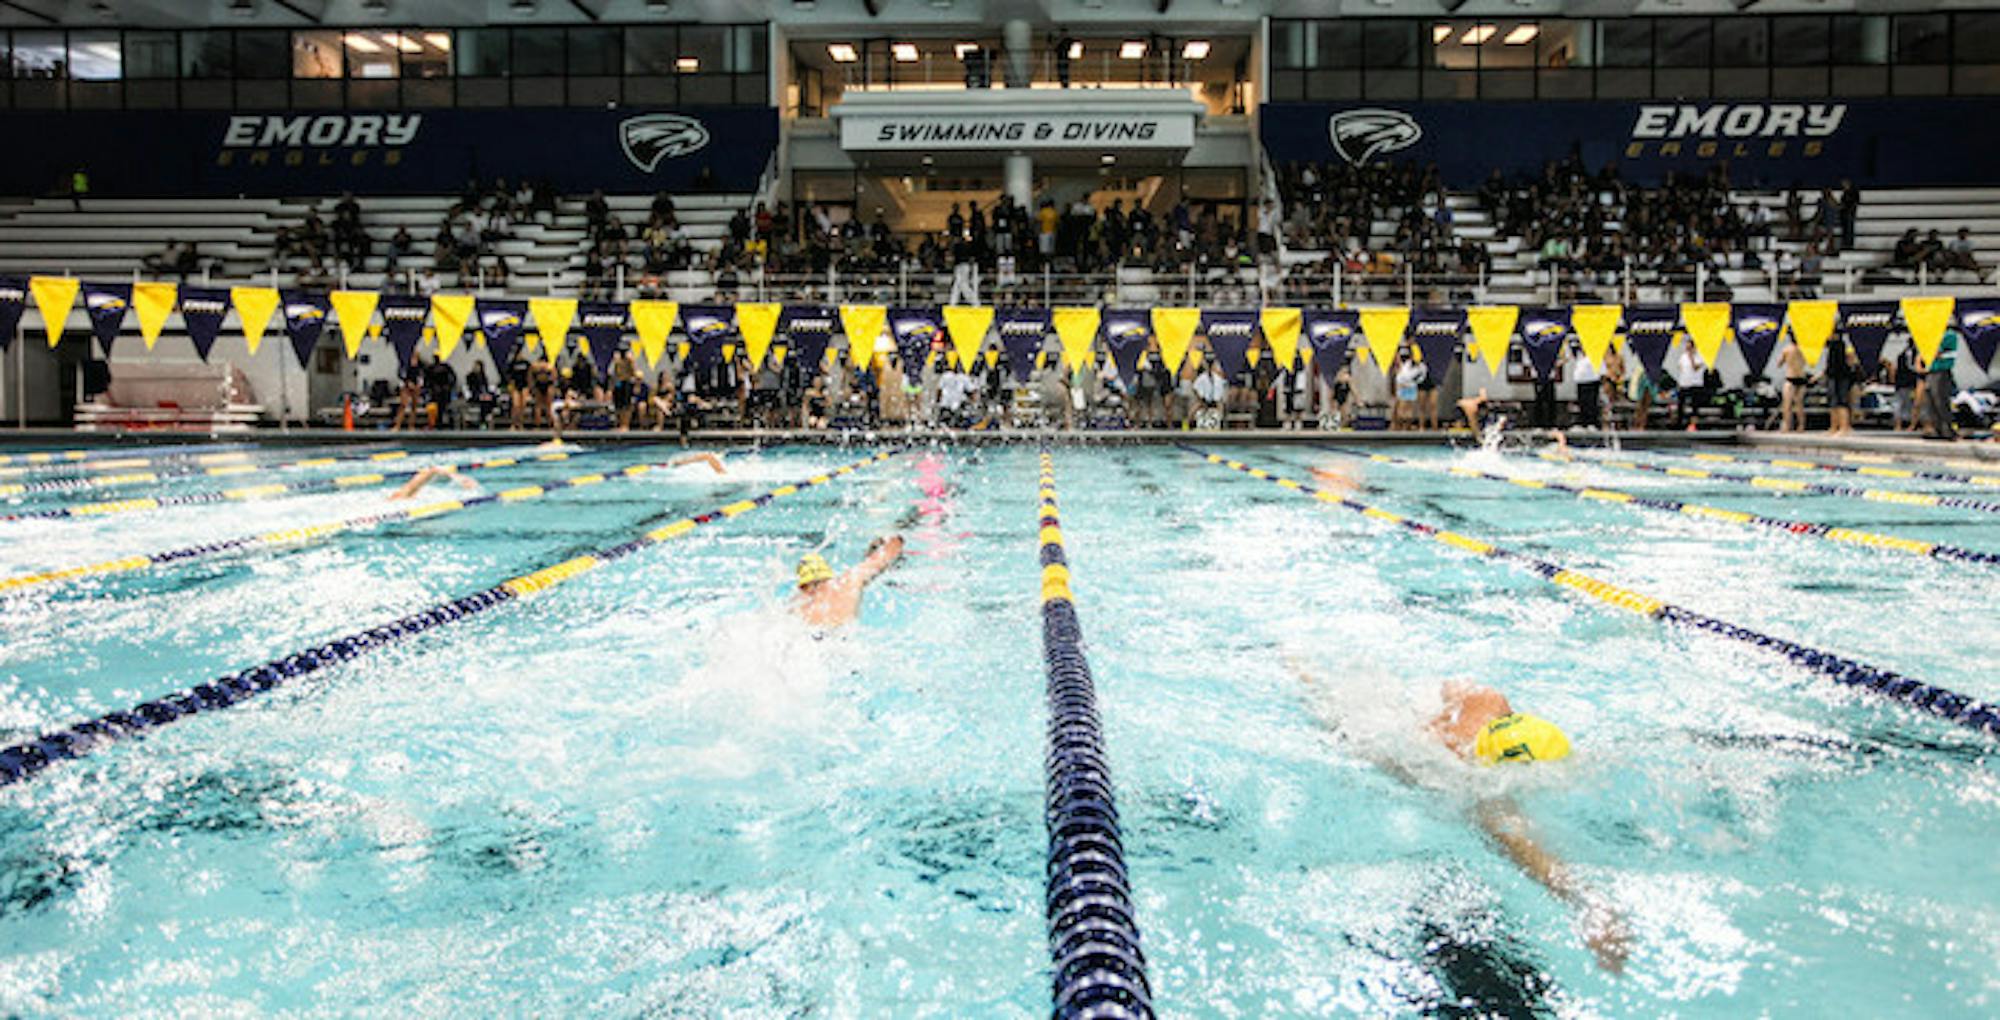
x=647, y=791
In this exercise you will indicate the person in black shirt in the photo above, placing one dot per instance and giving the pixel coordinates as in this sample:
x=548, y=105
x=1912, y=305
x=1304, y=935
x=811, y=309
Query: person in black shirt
x=440, y=384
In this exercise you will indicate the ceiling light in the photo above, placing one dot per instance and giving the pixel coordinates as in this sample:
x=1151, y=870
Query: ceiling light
x=688, y=65
x=1131, y=49
x=842, y=53
x=1522, y=35
x=961, y=49
x=1076, y=51
x=404, y=42
x=1440, y=32
x=1477, y=34
x=441, y=40
x=905, y=52
x=360, y=43
x=1107, y=159
x=1196, y=49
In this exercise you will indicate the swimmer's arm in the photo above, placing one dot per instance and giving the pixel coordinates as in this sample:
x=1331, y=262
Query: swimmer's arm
x=1603, y=931
x=714, y=462
x=882, y=554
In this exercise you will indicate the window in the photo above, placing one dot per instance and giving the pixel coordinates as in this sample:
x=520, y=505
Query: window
x=316, y=55
x=1288, y=44
x=95, y=56
x=1922, y=38
x=207, y=55
x=537, y=52
x=705, y=45
x=427, y=53
x=749, y=49
x=1860, y=39
x=373, y=55
x=152, y=54
x=593, y=51
x=482, y=52
x=1389, y=43
x=40, y=55
x=1335, y=44
x=650, y=50
x=1976, y=38
x=1625, y=43
x=1684, y=42
x=1800, y=41
x=1742, y=42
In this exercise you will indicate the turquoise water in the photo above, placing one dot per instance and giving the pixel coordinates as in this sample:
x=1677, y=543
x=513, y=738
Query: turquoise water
x=647, y=792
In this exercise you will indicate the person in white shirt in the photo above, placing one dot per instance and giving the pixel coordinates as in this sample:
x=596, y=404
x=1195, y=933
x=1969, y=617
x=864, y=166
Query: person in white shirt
x=1589, y=398
x=1691, y=380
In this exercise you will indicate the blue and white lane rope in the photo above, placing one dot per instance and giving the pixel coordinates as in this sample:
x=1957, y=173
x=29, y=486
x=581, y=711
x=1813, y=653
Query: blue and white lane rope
x=1097, y=966
x=232, y=467
x=1775, y=484
x=1806, y=529
x=1938, y=701
x=25, y=760
x=85, y=457
x=1871, y=469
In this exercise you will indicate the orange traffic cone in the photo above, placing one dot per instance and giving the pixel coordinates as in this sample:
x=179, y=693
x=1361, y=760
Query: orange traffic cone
x=347, y=414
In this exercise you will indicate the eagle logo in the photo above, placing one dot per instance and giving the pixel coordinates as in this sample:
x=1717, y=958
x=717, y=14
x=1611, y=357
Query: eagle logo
x=1362, y=135
x=710, y=328
x=650, y=138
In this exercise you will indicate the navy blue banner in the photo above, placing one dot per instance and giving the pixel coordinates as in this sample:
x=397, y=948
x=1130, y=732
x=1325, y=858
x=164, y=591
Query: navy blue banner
x=1866, y=325
x=419, y=151
x=1436, y=332
x=1543, y=331
x=13, y=301
x=1978, y=322
x=1757, y=327
x=1127, y=331
x=305, y=318
x=1649, y=332
x=807, y=330
x=1328, y=332
x=708, y=327
x=106, y=304
x=1229, y=334
x=916, y=330
x=1022, y=333
x=503, y=323
x=1874, y=142
x=202, y=310
x=603, y=324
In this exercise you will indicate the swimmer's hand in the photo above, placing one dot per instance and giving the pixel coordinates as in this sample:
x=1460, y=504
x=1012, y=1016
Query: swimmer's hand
x=1608, y=938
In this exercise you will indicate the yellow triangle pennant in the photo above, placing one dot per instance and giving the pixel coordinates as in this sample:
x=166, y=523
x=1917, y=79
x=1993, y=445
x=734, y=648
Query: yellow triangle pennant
x=758, y=323
x=54, y=297
x=1707, y=325
x=1194, y=358
x=449, y=313
x=1174, y=329
x=1812, y=326
x=1595, y=325
x=681, y=350
x=863, y=325
x=778, y=357
x=355, y=309
x=1384, y=328
x=1492, y=330
x=1077, y=329
x=1927, y=317
x=153, y=301
x=653, y=321
x=553, y=316
x=992, y=358
x=967, y=326
x=1281, y=331
x=254, y=306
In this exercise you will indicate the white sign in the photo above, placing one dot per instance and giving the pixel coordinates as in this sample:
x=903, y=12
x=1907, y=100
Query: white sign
x=1740, y=120
x=925, y=132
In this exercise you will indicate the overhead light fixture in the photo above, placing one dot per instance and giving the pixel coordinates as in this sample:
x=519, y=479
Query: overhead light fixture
x=441, y=40
x=1107, y=159
x=1196, y=49
x=523, y=6
x=1522, y=35
x=905, y=52
x=842, y=53
x=360, y=43
x=1440, y=32
x=658, y=6
x=1477, y=34
x=1131, y=49
x=961, y=49
x=404, y=42
x=242, y=8
x=1076, y=50
x=688, y=65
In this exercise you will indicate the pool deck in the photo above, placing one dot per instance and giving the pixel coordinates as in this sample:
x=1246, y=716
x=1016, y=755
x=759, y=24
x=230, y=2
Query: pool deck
x=1883, y=444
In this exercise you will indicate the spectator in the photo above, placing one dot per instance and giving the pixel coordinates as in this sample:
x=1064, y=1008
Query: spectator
x=1962, y=253
x=79, y=186
x=596, y=213
x=1940, y=387
x=401, y=244
x=1850, y=212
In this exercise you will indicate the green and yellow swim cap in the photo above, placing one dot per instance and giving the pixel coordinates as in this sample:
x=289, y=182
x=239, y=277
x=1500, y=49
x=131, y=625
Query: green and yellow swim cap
x=1520, y=738
x=813, y=569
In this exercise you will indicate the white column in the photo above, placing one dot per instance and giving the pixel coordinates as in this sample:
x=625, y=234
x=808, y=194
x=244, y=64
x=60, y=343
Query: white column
x=1020, y=179
x=1020, y=39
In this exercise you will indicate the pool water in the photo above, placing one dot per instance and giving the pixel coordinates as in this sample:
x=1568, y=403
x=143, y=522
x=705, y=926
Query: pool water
x=649, y=792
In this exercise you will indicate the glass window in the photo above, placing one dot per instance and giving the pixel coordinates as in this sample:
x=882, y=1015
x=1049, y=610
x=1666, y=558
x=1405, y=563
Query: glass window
x=40, y=55
x=1922, y=38
x=427, y=53
x=1288, y=44
x=1565, y=44
x=1799, y=41
x=705, y=45
x=593, y=51
x=151, y=55
x=1387, y=43
x=1976, y=38
x=749, y=49
x=373, y=55
x=95, y=56
x=482, y=52
x=650, y=50
x=537, y=52
x=207, y=55
x=1625, y=43
x=1451, y=44
x=1860, y=39
x=263, y=54
x=316, y=55
x=1683, y=42
x=1742, y=42
x=1335, y=44
x=1512, y=46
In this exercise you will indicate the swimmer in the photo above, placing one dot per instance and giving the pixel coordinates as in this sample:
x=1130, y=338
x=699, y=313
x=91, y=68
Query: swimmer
x=714, y=462
x=1474, y=410
x=1336, y=480
x=1561, y=443
x=1480, y=726
x=826, y=599
x=427, y=476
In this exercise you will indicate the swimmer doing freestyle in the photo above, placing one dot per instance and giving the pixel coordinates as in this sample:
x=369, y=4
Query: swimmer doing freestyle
x=826, y=599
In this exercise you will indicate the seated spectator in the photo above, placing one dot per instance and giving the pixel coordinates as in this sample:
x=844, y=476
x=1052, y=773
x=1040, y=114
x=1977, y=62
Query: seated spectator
x=596, y=213
x=169, y=260
x=1962, y=253
x=1907, y=252
x=663, y=209
x=544, y=202
x=400, y=247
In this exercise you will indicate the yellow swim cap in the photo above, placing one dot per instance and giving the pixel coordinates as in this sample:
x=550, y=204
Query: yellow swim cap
x=1520, y=738
x=813, y=569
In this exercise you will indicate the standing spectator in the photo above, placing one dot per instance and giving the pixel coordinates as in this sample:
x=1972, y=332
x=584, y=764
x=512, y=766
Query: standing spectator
x=1589, y=380
x=1850, y=211
x=1940, y=387
x=400, y=246
x=1690, y=385
x=79, y=186
x=596, y=212
x=1908, y=379
x=1842, y=372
